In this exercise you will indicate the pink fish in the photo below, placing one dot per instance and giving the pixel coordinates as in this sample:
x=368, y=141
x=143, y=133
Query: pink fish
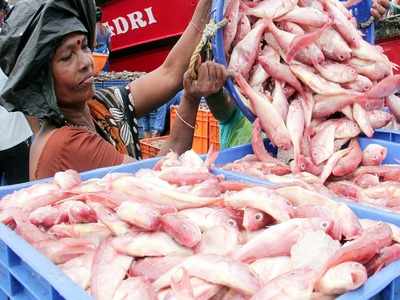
x=258, y=144
x=379, y=118
x=25, y=228
x=79, y=269
x=374, y=70
x=322, y=144
x=295, y=284
x=135, y=288
x=271, y=267
x=67, y=180
x=246, y=51
x=346, y=128
x=342, y=278
x=85, y=230
x=295, y=123
x=182, y=229
x=263, y=199
x=313, y=250
x=271, y=121
x=281, y=72
x=364, y=247
x=139, y=214
x=244, y=27
x=255, y=219
x=374, y=155
x=385, y=257
x=306, y=16
x=336, y=72
x=181, y=285
x=366, y=180
x=77, y=212
x=151, y=268
x=332, y=162
x=290, y=27
x=201, y=290
x=343, y=24
x=315, y=82
x=218, y=270
x=308, y=55
x=279, y=100
x=31, y=198
x=110, y=219
x=385, y=88
x=148, y=244
x=45, y=216
x=185, y=175
x=368, y=52
x=361, y=84
x=307, y=165
x=361, y=117
x=393, y=102
x=271, y=9
x=348, y=221
x=323, y=212
x=303, y=41
x=232, y=15
x=109, y=269
x=209, y=217
x=62, y=250
x=373, y=104
x=347, y=164
x=328, y=105
x=334, y=46
x=219, y=240
x=277, y=240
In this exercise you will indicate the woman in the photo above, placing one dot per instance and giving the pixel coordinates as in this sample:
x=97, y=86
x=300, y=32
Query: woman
x=51, y=76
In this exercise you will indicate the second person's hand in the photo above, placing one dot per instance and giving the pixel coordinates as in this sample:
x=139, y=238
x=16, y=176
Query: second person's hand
x=211, y=78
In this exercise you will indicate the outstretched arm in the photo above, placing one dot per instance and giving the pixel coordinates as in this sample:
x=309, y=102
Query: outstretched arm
x=158, y=86
x=211, y=78
x=221, y=105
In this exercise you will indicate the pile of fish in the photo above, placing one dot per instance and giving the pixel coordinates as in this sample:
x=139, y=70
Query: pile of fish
x=358, y=176
x=305, y=72
x=179, y=232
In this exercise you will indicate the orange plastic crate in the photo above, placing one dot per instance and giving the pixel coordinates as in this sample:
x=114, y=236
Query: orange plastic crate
x=213, y=132
x=151, y=147
x=200, y=138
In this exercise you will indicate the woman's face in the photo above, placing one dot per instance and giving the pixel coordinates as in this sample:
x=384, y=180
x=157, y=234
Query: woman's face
x=72, y=68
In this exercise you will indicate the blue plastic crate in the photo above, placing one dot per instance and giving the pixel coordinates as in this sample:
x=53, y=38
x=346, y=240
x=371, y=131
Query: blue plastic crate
x=27, y=274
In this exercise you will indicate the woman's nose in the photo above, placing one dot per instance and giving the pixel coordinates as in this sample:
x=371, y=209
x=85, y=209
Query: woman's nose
x=85, y=60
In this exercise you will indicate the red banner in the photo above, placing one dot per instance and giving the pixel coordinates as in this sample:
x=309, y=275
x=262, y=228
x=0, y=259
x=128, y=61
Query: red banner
x=135, y=22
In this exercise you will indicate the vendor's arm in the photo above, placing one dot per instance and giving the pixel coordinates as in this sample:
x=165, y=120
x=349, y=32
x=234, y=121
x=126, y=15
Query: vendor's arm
x=221, y=105
x=211, y=78
x=160, y=85
x=379, y=8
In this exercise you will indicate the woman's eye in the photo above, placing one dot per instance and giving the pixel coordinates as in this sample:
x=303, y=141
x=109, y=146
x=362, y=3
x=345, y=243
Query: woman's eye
x=66, y=57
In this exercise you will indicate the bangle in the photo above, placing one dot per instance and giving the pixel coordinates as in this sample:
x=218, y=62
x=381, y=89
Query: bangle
x=186, y=123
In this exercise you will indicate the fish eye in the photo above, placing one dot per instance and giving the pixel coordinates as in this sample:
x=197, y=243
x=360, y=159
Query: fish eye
x=259, y=216
x=232, y=222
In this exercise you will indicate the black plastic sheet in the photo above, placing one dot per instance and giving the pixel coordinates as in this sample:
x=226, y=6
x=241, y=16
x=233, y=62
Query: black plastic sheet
x=28, y=40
